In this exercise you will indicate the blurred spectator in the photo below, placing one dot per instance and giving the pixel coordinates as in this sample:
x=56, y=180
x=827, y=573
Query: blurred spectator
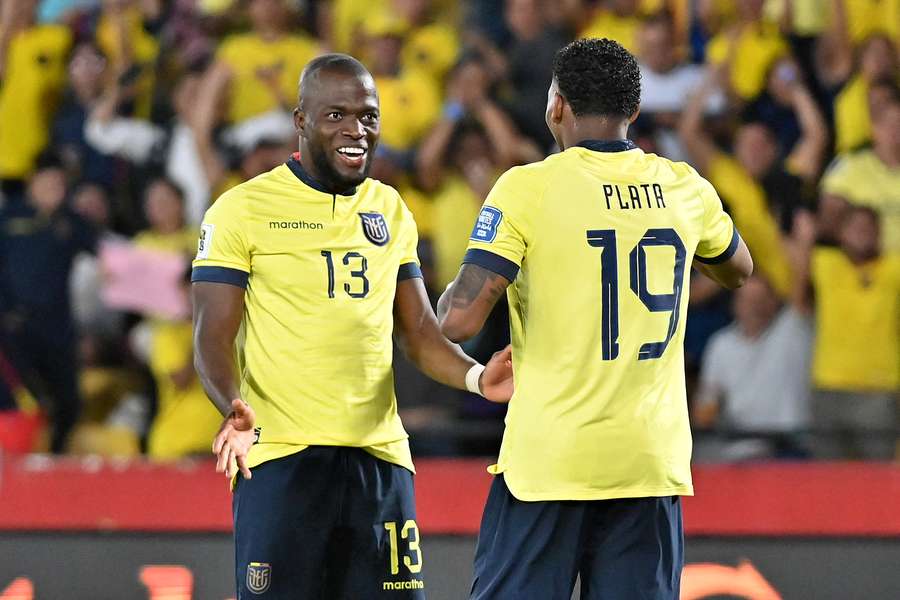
x=754, y=382
x=747, y=49
x=525, y=65
x=666, y=84
x=410, y=98
x=459, y=161
x=186, y=421
x=87, y=68
x=757, y=189
x=164, y=211
x=852, y=116
x=125, y=34
x=856, y=295
x=257, y=72
x=617, y=20
x=32, y=74
x=171, y=148
x=93, y=318
x=39, y=240
x=869, y=177
x=430, y=45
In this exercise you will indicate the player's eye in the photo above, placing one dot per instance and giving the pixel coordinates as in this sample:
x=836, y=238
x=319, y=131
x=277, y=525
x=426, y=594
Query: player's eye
x=335, y=115
x=370, y=118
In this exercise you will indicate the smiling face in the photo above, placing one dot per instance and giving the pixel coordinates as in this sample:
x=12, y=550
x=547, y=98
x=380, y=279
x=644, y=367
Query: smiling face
x=338, y=121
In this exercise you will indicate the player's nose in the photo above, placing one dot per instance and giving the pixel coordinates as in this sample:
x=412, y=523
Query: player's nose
x=355, y=129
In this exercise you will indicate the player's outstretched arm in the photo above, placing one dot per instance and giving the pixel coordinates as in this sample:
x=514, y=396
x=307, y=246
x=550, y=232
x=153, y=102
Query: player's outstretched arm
x=218, y=310
x=466, y=303
x=419, y=336
x=732, y=273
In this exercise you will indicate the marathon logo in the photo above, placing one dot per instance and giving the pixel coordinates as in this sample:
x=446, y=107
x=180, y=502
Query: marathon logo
x=295, y=225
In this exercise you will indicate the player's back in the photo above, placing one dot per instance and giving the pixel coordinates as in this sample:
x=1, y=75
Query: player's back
x=597, y=319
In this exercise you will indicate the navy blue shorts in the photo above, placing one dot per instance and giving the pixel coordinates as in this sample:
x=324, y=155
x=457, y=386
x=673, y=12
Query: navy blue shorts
x=628, y=549
x=327, y=523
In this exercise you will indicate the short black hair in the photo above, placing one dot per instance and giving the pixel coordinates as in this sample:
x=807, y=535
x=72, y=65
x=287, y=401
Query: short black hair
x=598, y=77
x=342, y=63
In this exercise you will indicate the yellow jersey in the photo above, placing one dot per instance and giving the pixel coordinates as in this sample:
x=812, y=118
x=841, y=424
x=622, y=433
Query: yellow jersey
x=247, y=54
x=320, y=272
x=857, y=322
x=748, y=205
x=758, y=47
x=186, y=421
x=33, y=80
x=598, y=242
x=862, y=178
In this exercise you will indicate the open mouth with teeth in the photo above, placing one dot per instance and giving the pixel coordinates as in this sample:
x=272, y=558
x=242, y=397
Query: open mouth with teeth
x=352, y=156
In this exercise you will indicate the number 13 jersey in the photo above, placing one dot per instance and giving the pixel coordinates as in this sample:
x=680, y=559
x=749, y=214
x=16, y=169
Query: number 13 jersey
x=598, y=242
x=320, y=272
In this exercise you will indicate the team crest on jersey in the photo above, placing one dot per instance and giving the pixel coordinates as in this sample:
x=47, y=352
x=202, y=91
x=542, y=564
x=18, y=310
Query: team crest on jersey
x=375, y=228
x=487, y=224
x=259, y=577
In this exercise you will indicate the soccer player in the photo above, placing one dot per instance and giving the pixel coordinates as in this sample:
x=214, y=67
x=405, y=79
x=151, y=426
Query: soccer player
x=307, y=270
x=593, y=247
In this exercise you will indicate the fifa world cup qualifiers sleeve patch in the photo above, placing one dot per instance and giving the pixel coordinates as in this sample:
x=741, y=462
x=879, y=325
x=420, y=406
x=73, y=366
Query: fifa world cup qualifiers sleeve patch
x=726, y=254
x=205, y=242
x=487, y=224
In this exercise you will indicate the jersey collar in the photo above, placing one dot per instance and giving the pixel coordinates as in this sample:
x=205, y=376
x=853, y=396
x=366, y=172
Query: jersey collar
x=607, y=145
x=297, y=169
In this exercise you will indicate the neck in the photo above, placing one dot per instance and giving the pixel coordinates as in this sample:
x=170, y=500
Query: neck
x=595, y=128
x=889, y=154
x=314, y=178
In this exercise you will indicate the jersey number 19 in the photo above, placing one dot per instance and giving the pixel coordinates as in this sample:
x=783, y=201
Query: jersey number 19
x=609, y=282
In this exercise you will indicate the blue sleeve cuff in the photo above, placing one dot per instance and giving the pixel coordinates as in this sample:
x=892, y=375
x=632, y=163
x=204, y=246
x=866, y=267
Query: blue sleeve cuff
x=726, y=254
x=492, y=262
x=409, y=271
x=220, y=275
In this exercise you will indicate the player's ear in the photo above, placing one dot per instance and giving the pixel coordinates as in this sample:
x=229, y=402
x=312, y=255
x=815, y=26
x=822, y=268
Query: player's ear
x=299, y=119
x=557, y=107
x=634, y=117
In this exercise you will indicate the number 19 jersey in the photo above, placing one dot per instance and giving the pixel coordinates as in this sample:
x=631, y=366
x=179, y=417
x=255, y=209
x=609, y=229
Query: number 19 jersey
x=598, y=242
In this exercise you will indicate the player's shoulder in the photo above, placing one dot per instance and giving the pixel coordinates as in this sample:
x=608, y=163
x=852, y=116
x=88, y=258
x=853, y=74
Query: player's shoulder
x=386, y=195
x=236, y=199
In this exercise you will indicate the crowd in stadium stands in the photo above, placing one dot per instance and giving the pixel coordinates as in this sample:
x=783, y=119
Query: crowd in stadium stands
x=122, y=120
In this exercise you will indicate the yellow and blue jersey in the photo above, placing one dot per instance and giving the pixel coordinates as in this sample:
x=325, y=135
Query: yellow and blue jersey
x=320, y=272
x=598, y=242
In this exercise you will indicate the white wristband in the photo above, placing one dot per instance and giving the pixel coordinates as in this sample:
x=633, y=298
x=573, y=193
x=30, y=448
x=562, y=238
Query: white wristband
x=472, y=378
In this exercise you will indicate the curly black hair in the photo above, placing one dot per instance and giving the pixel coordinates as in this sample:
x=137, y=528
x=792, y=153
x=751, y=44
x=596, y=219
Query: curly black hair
x=598, y=77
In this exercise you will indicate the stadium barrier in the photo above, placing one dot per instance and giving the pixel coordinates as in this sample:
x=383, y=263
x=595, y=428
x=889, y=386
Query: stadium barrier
x=89, y=528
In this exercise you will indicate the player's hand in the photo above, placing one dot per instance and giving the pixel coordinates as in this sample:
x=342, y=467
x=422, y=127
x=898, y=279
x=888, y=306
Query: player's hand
x=496, y=381
x=232, y=444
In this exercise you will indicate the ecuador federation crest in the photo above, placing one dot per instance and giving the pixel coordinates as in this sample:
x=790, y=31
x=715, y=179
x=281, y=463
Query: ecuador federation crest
x=259, y=577
x=375, y=228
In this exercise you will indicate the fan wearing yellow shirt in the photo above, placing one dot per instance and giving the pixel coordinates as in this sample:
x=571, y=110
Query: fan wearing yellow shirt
x=255, y=72
x=32, y=77
x=854, y=290
x=592, y=247
x=747, y=49
x=304, y=273
x=868, y=177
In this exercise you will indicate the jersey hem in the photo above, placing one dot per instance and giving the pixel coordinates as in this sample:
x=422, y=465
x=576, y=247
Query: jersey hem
x=409, y=270
x=610, y=495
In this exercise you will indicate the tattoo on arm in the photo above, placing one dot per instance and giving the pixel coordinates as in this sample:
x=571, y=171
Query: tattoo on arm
x=470, y=283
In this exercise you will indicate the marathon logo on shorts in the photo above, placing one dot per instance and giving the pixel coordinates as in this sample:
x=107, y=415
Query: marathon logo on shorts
x=375, y=228
x=259, y=577
x=487, y=224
